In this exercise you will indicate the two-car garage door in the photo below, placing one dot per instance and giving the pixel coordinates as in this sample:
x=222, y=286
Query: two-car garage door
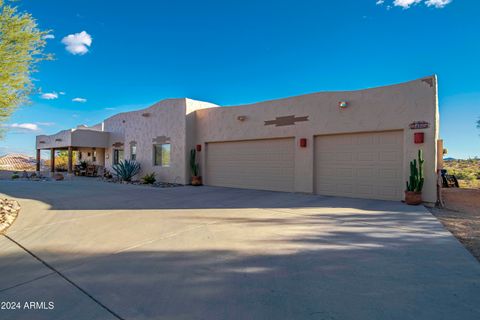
x=254, y=164
x=360, y=165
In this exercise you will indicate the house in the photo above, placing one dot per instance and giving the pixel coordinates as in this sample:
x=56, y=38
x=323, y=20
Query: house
x=17, y=162
x=352, y=144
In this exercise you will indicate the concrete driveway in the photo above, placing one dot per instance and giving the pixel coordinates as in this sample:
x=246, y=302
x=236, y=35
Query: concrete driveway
x=107, y=251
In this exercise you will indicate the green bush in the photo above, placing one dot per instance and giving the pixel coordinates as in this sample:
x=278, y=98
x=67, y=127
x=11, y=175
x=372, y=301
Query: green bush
x=149, y=178
x=15, y=176
x=126, y=169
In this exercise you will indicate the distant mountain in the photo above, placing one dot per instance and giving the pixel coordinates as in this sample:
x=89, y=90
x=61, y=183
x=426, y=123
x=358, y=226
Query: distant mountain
x=449, y=159
x=17, y=162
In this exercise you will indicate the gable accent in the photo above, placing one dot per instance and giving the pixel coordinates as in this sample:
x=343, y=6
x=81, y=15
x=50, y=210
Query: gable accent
x=285, y=121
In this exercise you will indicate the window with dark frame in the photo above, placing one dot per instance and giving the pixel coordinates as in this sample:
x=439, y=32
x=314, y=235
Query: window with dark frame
x=133, y=152
x=161, y=154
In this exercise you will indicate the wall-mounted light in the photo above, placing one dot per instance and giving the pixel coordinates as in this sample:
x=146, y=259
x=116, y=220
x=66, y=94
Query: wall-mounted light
x=303, y=143
x=343, y=104
x=146, y=114
x=418, y=137
x=198, y=147
x=242, y=118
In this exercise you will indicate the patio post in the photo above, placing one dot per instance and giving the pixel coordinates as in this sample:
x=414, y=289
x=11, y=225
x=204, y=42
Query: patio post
x=38, y=160
x=52, y=160
x=70, y=152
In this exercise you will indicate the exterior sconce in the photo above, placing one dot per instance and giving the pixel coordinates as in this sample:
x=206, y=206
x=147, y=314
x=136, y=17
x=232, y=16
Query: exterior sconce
x=146, y=114
x=418, y=137
x=303, y=143
x=198, y=147
x=242, y=118
x=343, y=104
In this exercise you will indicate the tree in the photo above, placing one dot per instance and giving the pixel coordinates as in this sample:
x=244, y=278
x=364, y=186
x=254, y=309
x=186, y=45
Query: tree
x=21, y=49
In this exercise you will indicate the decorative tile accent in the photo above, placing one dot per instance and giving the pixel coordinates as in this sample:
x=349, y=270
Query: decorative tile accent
x=161, y=140
x=117, y=145
x=133, y=143
x=285, y=121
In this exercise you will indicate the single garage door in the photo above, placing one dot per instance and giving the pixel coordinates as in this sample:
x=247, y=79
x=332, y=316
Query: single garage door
x=253, y=164
x=361, y=165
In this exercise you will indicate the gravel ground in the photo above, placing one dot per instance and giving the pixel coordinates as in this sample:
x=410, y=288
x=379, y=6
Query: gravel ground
x=461, y=216
x=9, y=210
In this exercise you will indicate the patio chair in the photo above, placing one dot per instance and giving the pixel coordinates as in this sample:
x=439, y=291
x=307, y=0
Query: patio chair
x=91, y=172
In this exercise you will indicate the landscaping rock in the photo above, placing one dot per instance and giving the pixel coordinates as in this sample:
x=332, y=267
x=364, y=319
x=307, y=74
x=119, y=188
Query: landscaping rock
x=9, y=210
x=58, y=176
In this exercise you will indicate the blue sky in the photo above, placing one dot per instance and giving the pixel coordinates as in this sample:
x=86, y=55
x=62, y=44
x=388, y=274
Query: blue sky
x=133, y=54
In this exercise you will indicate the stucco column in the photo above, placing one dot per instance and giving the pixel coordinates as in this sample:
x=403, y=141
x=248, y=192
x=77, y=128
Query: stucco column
x=70, y=154
x=52, y=160
x=38, y=159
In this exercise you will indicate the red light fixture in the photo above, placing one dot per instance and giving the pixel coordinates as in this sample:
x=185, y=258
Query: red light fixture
x=418, y=137
x=198, y=147
x=303, y=143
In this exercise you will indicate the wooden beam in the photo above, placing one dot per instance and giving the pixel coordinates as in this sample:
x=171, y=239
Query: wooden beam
x=70, y=155
x=52, y=160
x=38, y=159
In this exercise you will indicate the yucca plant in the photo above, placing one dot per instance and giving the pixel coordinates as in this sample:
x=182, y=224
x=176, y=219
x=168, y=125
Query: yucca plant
x=149, y=178
x=126, y=170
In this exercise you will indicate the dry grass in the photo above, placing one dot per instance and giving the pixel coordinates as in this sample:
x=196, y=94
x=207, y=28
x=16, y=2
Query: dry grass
x=466, y=171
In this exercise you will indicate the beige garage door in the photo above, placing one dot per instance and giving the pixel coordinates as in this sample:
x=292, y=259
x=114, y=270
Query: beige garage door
x=364, y=165
x=254, y=164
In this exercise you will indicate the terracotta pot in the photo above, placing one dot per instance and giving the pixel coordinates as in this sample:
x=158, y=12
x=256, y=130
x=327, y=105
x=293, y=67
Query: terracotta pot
x=413, y=198
x=196, y=180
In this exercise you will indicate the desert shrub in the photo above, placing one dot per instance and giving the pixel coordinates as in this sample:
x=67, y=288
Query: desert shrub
x=15, y=176
x=149, y=178
x=126, y=170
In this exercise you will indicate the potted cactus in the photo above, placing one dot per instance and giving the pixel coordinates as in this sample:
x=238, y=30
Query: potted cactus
x=413, y=194
x=195, y=169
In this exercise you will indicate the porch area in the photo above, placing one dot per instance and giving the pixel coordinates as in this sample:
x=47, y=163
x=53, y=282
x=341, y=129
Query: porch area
x=78, y=151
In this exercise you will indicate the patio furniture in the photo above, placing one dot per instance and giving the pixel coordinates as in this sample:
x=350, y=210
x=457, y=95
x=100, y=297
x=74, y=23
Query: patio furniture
x=91, y=171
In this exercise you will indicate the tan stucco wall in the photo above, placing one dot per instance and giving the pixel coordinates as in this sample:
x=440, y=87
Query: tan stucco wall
x=378, y=109
x=166, y=118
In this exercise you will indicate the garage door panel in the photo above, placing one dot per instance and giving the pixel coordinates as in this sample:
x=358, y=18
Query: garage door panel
x=365, y=165
x=255, y=164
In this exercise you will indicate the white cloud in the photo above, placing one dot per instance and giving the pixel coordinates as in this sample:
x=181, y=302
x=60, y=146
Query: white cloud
x=110, y=109
x=81, y=100
x=405, y=3
x=49, y=96
x=437, y=3
x=46, y=124
x=62, y=93
x=49, y=36
x=22, y=127
x=77, y=43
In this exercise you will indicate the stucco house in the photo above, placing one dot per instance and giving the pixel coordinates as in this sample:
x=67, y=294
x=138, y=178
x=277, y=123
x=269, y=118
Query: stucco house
x=352, y=144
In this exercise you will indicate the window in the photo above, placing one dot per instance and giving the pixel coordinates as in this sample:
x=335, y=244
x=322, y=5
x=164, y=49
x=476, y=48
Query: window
x=117, y=156
x=161, y=154
x=94, y=157
x=133, y=152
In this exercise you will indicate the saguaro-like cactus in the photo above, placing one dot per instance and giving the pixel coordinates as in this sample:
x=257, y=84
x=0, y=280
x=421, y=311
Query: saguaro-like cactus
x=416, y=180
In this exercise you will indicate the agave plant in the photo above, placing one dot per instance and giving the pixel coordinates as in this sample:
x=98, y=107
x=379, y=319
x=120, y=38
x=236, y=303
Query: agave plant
x=126, y=170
